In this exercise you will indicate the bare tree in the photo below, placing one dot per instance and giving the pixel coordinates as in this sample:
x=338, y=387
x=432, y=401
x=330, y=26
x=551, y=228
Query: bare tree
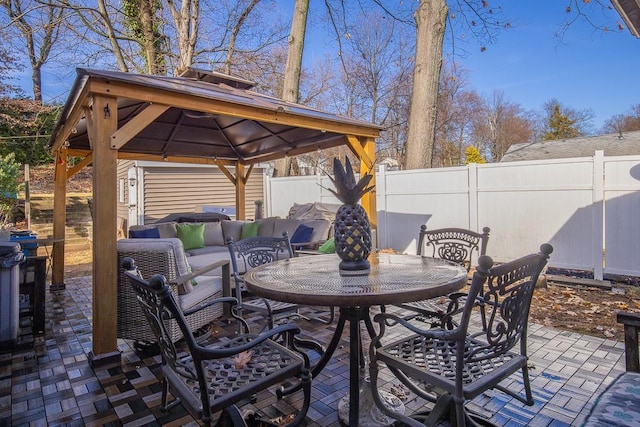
x=234, y=35
x=503, y=123
x=627, y=122
x=39, y=24
x=458, y=110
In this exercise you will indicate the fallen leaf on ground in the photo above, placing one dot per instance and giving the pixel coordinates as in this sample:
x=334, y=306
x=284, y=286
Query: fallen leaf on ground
x=242, y=359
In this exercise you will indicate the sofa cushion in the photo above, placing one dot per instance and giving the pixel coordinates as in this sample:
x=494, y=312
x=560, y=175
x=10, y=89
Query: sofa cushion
x=207, y=250
x=302, y=234
x=266, y=226
x=200, y=261
x=328, y=247
x=166, y=229
x=191, y=235
x=213, y=234
x=321, y=229
x=148, y=233
x=208, y=287
x=288, y=225
x=618, y=404
x=232, y=229
x=249, y=229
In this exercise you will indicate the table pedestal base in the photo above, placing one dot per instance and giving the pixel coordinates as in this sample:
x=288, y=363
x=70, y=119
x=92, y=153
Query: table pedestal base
x=370, y=414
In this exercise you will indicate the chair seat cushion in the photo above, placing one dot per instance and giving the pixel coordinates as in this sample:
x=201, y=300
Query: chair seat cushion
x=208, y=287
x=619, y=403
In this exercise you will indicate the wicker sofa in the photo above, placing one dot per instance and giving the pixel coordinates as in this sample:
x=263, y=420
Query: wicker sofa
x=191, y=288
x=215, y=235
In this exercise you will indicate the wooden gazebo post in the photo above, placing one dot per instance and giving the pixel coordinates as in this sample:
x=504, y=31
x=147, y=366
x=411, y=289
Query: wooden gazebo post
x=365, y=150
x=103, y=124
x=59, y=218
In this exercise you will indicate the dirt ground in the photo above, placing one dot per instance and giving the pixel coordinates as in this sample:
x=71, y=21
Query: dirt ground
x=586, y=310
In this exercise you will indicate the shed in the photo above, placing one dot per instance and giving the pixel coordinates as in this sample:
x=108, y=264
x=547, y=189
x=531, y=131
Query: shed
x=199, y=117
x=613, y=144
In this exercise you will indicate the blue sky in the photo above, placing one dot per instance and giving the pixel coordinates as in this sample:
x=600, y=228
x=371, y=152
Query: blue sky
x=586, y=69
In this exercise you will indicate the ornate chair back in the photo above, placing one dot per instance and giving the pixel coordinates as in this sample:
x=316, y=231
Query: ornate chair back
x=252, y=252
x=255, y=251
x=454, y=244
x=508, y=291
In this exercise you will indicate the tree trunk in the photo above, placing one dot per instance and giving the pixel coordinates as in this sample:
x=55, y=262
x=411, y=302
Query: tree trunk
x=291, y=87
x=431, y=19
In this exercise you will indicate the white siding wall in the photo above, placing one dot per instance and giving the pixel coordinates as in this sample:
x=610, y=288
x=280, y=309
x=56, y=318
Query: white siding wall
x=581, y=206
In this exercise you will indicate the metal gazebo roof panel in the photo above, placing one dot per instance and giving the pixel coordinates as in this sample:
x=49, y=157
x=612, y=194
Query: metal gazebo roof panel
x=230, y=123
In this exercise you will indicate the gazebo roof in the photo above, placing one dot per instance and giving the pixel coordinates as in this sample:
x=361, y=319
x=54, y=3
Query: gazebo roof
x=202, y=115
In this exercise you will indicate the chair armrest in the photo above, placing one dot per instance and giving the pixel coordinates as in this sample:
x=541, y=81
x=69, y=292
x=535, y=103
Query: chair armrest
x=184, y=279
x=631, y=322
x=232, y=350
x=226, y=279
x=388, y=318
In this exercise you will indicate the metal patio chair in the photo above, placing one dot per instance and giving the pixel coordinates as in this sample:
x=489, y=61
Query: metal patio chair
x=458, y=245
x=460, y=365
x=219, y=376
x=252, y=252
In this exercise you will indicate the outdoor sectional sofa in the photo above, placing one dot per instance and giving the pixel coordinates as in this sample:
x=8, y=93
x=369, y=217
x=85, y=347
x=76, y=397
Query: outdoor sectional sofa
x=306, y=233
x=195, y=259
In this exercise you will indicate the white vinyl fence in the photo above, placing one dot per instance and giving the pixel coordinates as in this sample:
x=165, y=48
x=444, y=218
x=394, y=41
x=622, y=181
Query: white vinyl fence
x=587, y=208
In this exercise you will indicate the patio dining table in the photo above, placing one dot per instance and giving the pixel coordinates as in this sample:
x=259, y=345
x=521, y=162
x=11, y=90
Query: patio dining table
x=316, y=281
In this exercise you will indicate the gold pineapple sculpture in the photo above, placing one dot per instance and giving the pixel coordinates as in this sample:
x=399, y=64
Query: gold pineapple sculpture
x=352, y=231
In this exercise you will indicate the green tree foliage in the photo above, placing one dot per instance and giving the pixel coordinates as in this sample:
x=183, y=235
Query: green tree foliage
x=25, y=127
x=9, y=183
x=560, y=125
x=472, y=155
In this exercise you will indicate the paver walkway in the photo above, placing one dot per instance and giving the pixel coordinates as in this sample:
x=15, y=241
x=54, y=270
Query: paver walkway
x=49, y=381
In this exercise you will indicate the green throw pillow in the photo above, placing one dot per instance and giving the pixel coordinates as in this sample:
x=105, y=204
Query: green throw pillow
x=191, y=235
x=249, y=229
x=328, y=247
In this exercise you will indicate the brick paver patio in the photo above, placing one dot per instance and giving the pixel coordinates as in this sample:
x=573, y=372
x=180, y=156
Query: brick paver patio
x=48, y=381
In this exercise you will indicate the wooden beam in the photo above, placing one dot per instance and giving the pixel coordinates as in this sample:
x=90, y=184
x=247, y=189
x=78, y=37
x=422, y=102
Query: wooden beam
x=59, y=218
x=240, y=192
x=248, y=174
x=246, y=111
x=104, y=230
x=369, y=200
x=80, y=165
x=358, y=149
x=90, y=126
x=137, y=124
x=225, y=171
x=72, y=119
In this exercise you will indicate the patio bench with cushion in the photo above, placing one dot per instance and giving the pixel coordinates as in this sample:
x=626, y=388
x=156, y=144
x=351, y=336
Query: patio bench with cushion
x=619, y=403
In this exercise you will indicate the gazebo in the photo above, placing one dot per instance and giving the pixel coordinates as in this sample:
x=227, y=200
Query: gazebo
x=200, y=117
